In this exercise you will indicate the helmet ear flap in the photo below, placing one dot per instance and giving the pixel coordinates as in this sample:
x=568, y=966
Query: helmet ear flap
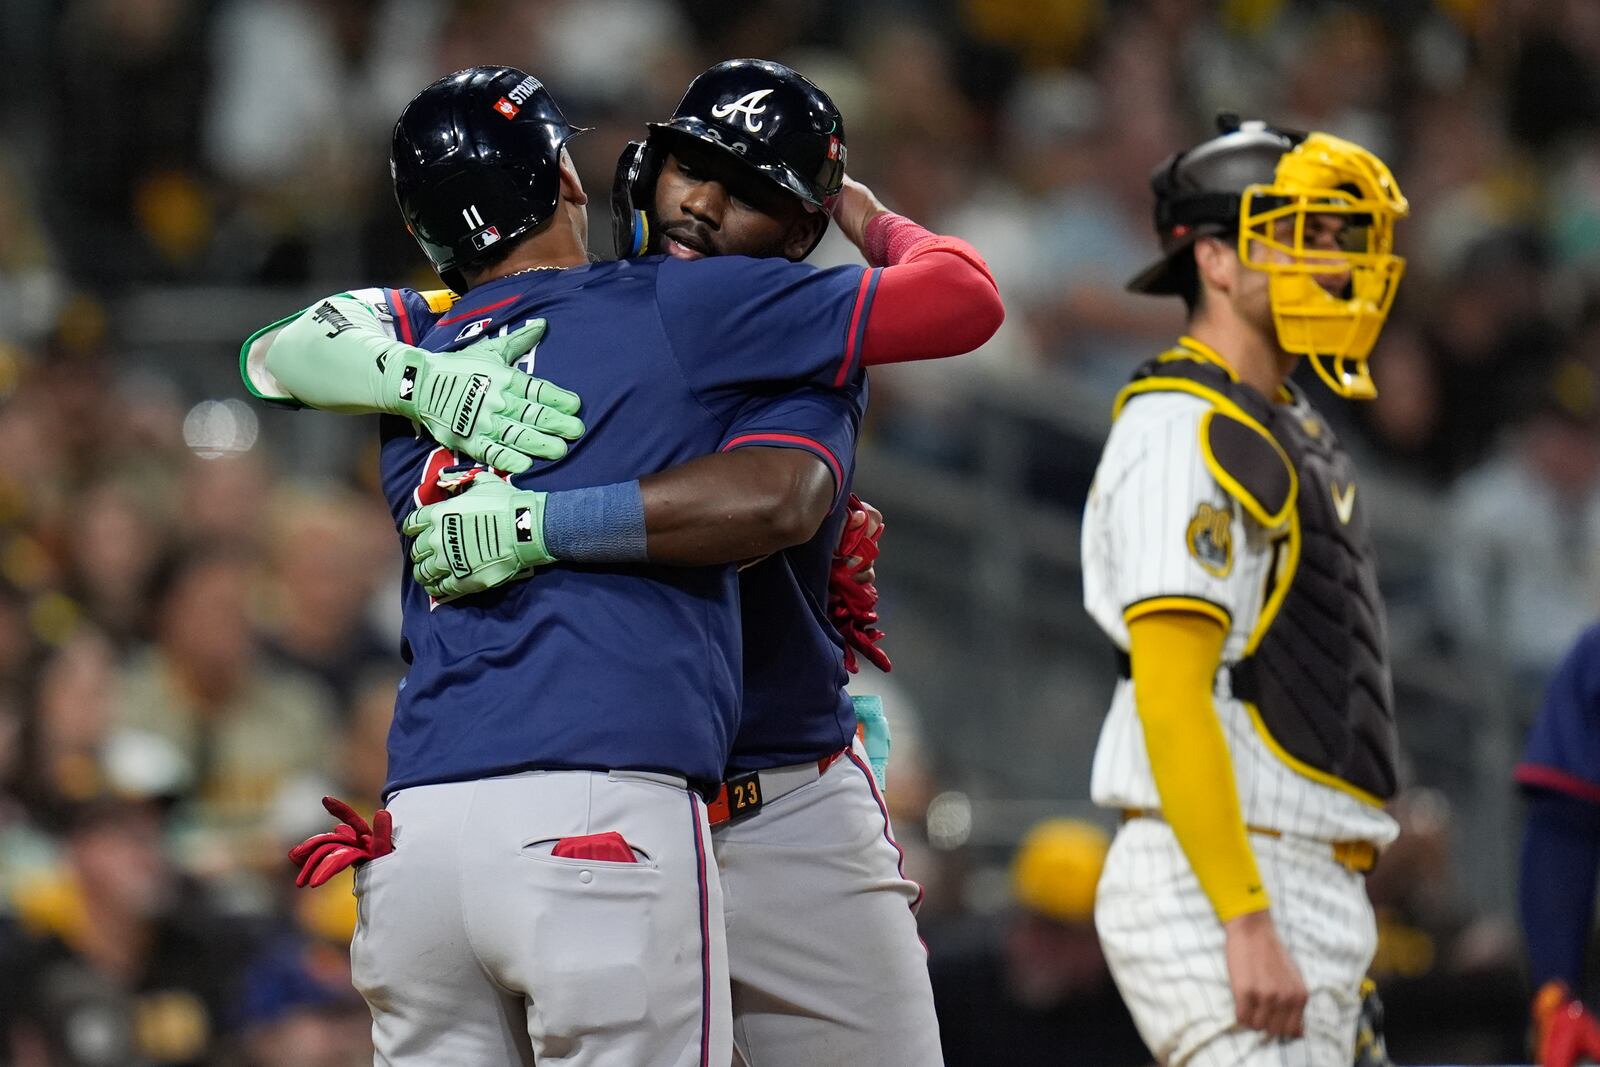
x=632, y=194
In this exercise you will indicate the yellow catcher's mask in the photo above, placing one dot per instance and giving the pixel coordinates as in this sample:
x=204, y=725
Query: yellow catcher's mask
x=1330, y=294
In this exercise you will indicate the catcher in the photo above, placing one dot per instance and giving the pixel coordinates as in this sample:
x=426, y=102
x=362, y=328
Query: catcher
x=1251, y=741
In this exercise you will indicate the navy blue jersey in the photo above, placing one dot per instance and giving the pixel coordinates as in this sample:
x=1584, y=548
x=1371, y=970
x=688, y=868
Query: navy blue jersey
x=1563, y=749
x=795, y=705
x=600, y=667
x=1560, y=772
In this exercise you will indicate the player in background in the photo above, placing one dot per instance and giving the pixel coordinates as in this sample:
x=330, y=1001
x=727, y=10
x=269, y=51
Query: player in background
x=1560, y=779
x=863, y=991
x=1250, y=742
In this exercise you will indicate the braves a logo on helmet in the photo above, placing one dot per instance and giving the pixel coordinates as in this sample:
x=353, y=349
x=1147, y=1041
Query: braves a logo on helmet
x=749, y=106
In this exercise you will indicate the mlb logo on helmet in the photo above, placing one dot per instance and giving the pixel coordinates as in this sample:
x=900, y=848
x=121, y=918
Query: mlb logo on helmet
x=506, y=108
x=485, y=237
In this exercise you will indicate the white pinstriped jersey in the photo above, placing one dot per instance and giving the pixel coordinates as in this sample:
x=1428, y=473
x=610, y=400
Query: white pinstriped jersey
x=1158, y=524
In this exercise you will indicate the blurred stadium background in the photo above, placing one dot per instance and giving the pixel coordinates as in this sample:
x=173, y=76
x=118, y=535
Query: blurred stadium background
x=187, y=663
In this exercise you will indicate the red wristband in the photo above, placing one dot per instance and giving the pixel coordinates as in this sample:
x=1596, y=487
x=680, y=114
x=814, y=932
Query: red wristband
x=889, y=237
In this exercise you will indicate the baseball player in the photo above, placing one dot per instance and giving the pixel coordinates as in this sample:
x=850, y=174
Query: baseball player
x=679, y=523
x=1560, y=779
x=1250, y=742
x=800, y=831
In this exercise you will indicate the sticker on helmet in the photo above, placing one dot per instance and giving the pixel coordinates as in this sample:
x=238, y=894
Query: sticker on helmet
x=523, y=90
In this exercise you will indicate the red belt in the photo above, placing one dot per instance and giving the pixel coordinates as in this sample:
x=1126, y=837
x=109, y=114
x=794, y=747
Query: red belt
x=743, y=795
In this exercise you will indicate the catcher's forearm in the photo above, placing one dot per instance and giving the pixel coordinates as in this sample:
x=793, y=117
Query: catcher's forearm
x=1175, y=656
x=333, y=357
x=735, y=506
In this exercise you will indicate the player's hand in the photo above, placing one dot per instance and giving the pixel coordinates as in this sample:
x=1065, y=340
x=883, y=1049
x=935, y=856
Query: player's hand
x=1565, y=1032
x=488, y=534
x=869, y=520
x=852, y=596
x=854, y=208
x=353, y=841
x=1268, y=993
x=477, y=403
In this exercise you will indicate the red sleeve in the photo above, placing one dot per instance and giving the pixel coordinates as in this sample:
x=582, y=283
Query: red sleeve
x=934, y=298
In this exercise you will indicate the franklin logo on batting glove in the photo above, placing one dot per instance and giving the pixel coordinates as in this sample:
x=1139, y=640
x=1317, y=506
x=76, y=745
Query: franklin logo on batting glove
x=471, y=402
x=329, y=315
x=455, y=546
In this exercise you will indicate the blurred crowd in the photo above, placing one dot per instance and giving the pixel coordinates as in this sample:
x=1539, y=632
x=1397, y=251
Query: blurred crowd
x=196, y=644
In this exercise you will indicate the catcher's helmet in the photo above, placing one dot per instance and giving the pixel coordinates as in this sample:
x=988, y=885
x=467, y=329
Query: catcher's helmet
x=1330, y=293
x=765, y=115
x=476, y=161
x=1198, y=193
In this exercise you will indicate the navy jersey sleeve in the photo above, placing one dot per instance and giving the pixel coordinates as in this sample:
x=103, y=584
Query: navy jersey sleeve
x=413, y=313
x=1563, y=749
x=1556, y=885
x=735, y=323
x=821, y=421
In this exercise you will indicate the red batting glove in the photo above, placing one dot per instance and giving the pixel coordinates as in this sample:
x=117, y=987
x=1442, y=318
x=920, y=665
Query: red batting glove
x=1567, y=1033
x=325, y=855
x=853, y=599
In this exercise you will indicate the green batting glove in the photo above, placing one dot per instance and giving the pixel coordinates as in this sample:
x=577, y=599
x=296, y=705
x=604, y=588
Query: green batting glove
x=339, y=355
x=485, y=536
x=475, y=402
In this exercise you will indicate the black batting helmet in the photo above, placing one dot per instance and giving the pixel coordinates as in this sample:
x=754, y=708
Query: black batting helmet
x=765, y=115
x=476, y=161
x=1198, y=193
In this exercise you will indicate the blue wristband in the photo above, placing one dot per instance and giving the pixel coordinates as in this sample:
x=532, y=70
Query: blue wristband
x=600, y=524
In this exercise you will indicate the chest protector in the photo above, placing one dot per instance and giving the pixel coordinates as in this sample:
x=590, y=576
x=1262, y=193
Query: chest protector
x=1315, y=670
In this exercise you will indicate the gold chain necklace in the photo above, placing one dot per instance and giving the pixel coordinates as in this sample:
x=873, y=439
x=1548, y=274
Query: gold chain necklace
x=529, y=270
